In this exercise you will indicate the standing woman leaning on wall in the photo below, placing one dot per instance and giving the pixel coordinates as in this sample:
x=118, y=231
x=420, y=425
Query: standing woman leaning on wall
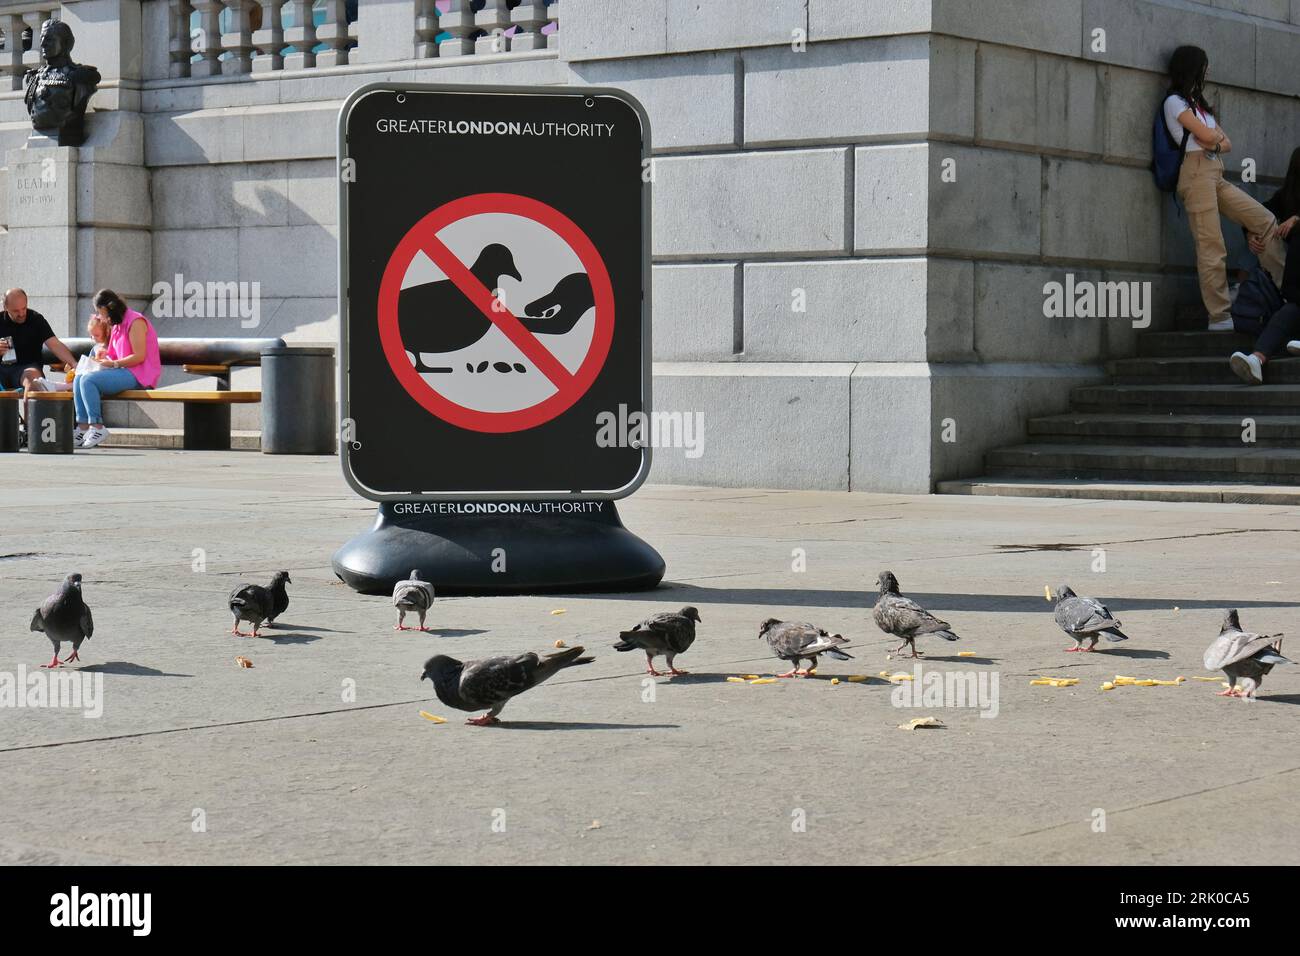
x=1204, y=192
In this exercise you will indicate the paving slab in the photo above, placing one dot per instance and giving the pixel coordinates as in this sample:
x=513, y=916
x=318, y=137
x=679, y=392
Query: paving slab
x=318, y=753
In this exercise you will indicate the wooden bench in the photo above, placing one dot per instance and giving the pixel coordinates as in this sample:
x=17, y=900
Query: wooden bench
x=207, y=413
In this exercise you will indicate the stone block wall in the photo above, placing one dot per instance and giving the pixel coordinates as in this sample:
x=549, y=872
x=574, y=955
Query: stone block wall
x=823, y=295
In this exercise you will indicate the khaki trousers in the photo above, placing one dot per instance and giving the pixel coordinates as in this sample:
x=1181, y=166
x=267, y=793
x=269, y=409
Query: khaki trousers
x=1205, y=195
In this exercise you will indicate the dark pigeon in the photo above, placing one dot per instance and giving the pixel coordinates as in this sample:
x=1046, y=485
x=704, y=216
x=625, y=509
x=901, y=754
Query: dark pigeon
x=64, y=617
x=255, y=604
x=1243, y=656
x=667, y=634
x=1083, y=618
x=903, y=617
x=412, y=596
x=795, y=641
x=490, y=683
x=437, y=317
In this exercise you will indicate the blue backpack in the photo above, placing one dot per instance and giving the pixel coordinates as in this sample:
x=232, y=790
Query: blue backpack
x=1257, y=299
x=1167, y=153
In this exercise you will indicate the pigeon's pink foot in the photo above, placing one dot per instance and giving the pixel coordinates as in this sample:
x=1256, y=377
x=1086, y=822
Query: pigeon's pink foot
x=1072, y=650
x=790, y=673
x=487, y=720
x=676, y=673
x=72, y=657
x=237, y=632
x=1230, y=692
x=400, y=627
x=654, y=673
x=423, y=630
x=53, y=663
x=1087, y=650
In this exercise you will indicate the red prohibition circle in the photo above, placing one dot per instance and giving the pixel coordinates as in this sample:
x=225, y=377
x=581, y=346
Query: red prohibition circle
x=567, y=392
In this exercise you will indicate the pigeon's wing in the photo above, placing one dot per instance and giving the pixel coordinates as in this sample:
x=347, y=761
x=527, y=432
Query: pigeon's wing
x=251, y=598
x=821, y=642
x=905, y=617
x=1233, y=646
x=1083, y=615
x=413, y=594
x=494, y=680
x=38, y=621
x=790, y=638
x=677, y=632
x=87, y=622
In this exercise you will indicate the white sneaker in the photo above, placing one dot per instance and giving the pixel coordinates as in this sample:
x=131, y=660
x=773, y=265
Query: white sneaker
x=1247, y=367
x=1223, y=325
x=94, y=436
x=1293, y=346
x=78, y=438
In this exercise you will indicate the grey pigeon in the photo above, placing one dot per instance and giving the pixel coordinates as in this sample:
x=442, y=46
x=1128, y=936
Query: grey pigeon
x=668, y=634
x=255, y=604
x=63, y=616
x=903, y=617
x=795, y=641
x=412, y=597
x=491, y=682
x=1085, y=617
x=1243, y=656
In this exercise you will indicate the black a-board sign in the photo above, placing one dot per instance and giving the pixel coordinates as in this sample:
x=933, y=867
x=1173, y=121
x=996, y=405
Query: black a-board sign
x=494, y=311
x=494, y=291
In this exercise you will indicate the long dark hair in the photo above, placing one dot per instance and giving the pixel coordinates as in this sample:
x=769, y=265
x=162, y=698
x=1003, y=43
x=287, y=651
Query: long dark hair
x=1287, y=199
x=1187, y=69
x=111, y=302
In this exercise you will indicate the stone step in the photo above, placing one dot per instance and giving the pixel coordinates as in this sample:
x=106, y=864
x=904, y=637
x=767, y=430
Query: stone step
x=1145, y=463
x=1167, y=429
x=1188, y=399
x=1215, y=492
x=1196, y=370
x=1166, y=344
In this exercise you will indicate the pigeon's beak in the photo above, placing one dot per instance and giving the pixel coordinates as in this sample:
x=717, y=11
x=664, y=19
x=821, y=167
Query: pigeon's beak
x=423, y=674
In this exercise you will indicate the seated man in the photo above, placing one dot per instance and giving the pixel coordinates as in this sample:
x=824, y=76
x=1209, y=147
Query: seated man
x=26, y=332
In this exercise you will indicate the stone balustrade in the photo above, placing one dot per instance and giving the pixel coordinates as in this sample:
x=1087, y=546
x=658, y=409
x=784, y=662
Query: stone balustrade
x=20, y=26
x=208, y=38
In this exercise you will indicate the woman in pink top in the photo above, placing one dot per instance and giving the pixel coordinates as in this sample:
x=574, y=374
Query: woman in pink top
x=131, y=360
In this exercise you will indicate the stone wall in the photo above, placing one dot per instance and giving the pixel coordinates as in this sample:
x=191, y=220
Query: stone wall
x=800, y=148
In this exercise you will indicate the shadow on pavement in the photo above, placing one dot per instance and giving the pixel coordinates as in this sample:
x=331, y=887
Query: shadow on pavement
x=454, y=631
x=128, y=669
x=289, y=638
x=576, y=725
x=866, y=598
x=1135, y=652
x=281, y=626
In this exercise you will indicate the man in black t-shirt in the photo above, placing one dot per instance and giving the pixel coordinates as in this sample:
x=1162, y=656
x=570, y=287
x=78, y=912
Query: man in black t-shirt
x=25, y=331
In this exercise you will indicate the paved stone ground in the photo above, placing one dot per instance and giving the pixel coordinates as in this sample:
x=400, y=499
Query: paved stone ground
x=284, y=770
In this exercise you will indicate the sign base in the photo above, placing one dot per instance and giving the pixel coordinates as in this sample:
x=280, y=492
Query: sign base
x=506, y=547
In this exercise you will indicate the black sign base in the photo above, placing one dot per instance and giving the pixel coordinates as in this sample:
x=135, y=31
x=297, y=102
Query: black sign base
x=500, y=547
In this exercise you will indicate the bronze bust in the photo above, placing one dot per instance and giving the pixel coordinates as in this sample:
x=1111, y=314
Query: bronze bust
x=58, y=92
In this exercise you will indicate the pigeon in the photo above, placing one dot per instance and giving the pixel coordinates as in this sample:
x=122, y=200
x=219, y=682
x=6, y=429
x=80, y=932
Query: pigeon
x=254, y=603
x=491, y=682
x=669, y=633
x=903, y=617
x=63, y=616
x=1085, y=617
x=413, y=596
x=795, y=641
x=1243, y=656
x=436, y=317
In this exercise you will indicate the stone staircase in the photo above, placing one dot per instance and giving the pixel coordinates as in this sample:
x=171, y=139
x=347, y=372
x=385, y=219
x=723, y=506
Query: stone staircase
x=1168, y=425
